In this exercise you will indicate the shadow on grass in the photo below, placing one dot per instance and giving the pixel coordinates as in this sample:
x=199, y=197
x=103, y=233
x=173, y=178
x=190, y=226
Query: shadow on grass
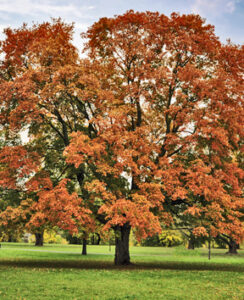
x=108, y=265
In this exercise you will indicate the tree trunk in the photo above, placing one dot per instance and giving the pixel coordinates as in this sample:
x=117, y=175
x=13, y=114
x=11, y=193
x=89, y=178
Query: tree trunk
x=39, y=239
x=233, y=246
x=84, y=243
x=209, y=248
x=122, y=234
x=191, y=243
x=93, y=239
x=98, y=239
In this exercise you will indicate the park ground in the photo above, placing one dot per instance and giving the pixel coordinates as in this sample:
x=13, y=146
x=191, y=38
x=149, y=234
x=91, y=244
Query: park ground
x=60, y=272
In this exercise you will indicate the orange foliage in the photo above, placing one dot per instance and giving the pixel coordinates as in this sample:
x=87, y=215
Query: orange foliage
x=59, y=208
x=147, y=124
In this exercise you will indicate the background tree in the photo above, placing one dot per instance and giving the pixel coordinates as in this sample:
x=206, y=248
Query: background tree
x=30, y=101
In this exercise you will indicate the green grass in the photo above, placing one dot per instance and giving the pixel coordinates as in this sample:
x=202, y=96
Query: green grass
x=61, y=272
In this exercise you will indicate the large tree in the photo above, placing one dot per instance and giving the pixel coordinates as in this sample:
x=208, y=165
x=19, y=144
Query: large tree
x=146, y=125
x=174, y=119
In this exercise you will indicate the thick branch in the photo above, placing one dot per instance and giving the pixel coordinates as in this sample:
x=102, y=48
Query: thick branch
x=64, y=127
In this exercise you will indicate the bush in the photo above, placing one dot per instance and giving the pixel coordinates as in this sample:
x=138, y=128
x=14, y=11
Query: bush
x=51, y=237
x=73, y=239
x=170, y=238
x=151, y=241
x=10, y=237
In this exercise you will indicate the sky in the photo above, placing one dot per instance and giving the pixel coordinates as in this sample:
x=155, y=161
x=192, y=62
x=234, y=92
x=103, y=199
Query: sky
x=226, y=15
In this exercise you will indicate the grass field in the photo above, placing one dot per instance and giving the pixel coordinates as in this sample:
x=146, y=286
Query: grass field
x=60, y=272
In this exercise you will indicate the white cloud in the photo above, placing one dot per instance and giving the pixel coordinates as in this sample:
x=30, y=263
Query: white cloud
x=81, y=26
x=213, y=7
x=16, y=12
x=77, y=40
x=45, y=7
x=2, y=27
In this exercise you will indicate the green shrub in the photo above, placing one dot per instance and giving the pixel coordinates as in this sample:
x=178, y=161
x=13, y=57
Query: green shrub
x=170, y=238
x=150, y=241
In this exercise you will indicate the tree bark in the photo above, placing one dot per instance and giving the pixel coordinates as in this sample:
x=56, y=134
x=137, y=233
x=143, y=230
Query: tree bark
x=84, y=248
x=39, y=239
x=93, y=239
x=98, y=239
x=233, y=246
x=209, y=248
x=191, y=243
x=122, y=234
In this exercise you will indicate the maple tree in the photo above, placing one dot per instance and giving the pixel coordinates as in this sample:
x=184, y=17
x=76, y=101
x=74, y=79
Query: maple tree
x=29, y=103
x=9, y=197
x=175, y=117
x=139, y=135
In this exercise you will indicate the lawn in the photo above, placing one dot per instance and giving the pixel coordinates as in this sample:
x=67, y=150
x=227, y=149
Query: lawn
x=60, y=272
